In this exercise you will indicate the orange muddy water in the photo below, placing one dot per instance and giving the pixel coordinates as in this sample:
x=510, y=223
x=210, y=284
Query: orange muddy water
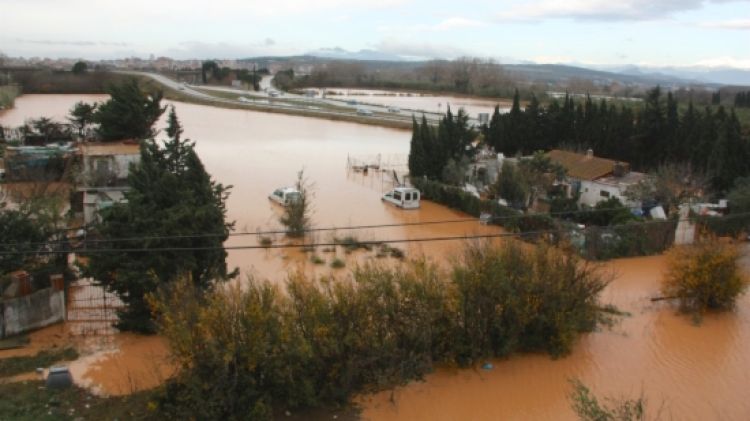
x=689, y=372
x=420, y=101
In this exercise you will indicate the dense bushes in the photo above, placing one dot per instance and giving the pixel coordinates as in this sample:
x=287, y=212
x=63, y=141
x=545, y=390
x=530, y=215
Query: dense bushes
x=629, y=239
x=252, y=350
x=704, y=276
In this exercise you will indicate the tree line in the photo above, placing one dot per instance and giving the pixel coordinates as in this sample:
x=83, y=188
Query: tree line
x=648, y=136
x=742, y=99
x=435, y=150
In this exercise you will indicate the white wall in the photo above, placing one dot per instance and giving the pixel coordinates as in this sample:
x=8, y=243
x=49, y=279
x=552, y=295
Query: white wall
x=591, y=193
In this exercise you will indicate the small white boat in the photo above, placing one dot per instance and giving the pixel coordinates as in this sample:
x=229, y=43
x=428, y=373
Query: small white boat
x=285, y=196
x=403, y=197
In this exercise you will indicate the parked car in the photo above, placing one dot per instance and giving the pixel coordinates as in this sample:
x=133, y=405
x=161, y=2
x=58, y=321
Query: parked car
x=364, y=111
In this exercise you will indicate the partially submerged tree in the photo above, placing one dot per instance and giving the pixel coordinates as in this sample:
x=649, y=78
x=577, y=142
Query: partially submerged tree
x=296, y=216
x=129, y=113
x=704, y=276
x=175, y=206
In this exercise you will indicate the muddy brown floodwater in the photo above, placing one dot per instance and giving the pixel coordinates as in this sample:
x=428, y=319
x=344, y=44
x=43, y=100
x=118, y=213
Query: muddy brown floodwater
x=421, y=101
x=690, y=372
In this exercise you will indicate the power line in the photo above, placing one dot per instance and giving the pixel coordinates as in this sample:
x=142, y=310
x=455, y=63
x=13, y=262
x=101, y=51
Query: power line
x=330, y=244
x=324, y=229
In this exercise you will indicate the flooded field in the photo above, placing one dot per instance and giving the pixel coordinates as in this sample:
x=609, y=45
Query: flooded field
x=257, y=153
x=418, y=101
x=689, y=372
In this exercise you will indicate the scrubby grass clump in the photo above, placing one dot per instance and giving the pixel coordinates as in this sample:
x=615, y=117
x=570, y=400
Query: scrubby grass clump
x=704, y=276
x=588, y=408
x=252, y=351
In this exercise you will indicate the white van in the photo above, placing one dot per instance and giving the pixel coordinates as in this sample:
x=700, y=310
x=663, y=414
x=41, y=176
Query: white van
x=285, y=196
x=403, y=197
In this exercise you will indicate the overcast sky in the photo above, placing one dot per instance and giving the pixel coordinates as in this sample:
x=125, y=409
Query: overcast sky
x=645, y=32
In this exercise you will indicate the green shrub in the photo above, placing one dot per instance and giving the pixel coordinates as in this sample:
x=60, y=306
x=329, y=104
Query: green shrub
x=338, y=263
x=704, y=276
x=255, y=350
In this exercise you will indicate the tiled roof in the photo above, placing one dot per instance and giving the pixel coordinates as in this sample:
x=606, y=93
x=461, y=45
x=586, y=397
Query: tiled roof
x=114, y=148
x=582, y=166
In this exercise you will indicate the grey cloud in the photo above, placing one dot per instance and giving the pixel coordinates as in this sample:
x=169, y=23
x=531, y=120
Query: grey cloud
x=199, y=49
x=72, y=43
x=604, y=10
x=420, y=50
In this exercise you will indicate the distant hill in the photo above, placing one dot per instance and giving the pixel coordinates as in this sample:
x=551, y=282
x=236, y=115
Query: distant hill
x=537, y=73
x=710, y=75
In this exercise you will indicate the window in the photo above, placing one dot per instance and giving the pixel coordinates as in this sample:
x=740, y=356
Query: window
x=604, y=193
x=397, y=195
x=407, y=197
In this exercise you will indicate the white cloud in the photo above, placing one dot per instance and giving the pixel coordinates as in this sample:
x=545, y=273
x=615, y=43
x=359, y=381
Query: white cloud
x=420, y=50
x=726, y=61
x=226, y=50
x=607, y=10
x=728, y=24
x=457, y=23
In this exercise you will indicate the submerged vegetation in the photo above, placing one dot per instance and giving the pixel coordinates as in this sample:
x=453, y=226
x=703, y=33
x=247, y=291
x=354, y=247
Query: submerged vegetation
x=296, y=216
x=704, y=276
x=253, y=350
x=588, y=408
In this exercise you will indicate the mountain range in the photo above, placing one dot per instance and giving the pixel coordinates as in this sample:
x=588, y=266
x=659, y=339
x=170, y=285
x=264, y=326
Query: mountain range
x=666, y=75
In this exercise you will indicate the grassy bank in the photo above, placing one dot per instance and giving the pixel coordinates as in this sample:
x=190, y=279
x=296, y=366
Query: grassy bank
x=176, y=95
x=18, y=365
x=31, y=400
x=8, y=95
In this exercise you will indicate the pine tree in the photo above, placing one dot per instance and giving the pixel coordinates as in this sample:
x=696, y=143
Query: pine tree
x=495, y=130
x=651, y=131
x=671, y=129
x=129, y=113
x=172, y=196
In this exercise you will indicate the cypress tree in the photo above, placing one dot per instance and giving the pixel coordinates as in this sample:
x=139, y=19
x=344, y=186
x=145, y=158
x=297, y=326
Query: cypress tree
x=417, y=153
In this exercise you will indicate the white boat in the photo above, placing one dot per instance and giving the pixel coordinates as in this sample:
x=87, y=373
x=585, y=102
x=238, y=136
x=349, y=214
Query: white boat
x=285, y=196
x=403, y=197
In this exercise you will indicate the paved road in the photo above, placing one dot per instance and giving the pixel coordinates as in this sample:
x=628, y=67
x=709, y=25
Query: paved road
x=291, y=102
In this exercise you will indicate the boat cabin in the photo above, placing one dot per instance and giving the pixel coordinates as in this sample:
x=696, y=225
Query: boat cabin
x=285, y=196
x=403, y=197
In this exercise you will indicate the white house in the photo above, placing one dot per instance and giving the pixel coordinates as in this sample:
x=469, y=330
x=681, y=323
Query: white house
x=596, y=179
x=107, y=164
x=104, y=172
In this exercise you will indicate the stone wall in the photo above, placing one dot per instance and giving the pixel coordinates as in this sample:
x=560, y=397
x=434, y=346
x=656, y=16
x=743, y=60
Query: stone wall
x=40, y=309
